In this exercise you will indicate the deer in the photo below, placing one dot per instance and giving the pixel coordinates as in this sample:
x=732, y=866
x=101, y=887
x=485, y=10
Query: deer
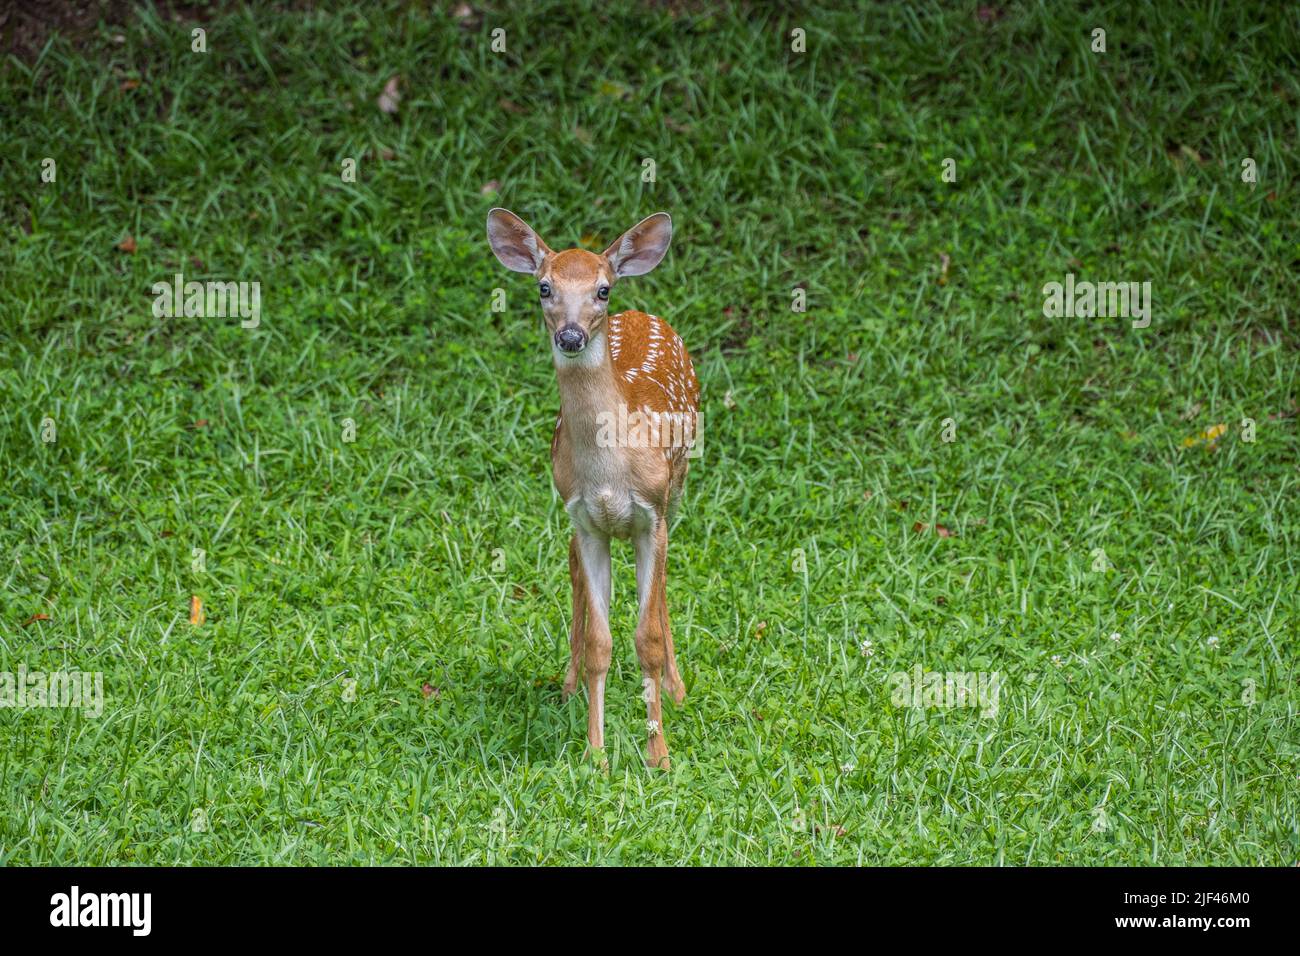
x=618, y=375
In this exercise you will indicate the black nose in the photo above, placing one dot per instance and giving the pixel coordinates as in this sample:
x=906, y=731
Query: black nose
x=571, y=339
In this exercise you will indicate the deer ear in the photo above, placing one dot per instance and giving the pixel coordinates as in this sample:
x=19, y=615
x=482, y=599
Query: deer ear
x=519, y=248
x=642, y=247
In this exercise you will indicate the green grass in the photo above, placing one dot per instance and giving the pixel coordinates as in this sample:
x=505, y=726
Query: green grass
x=432, y=549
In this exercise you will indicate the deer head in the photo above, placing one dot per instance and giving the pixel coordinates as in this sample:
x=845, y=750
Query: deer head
x=574, y=285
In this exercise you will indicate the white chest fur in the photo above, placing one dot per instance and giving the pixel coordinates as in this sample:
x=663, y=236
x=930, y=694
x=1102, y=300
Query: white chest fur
x=605, y=502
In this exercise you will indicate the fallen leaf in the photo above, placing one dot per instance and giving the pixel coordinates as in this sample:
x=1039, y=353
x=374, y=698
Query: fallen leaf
x=614, y=90
x=939, y=529
x=1209, y=438
x=510, y=106
x=582, y=135
x=197, y=616
x=490, y=187
x=1192, y=411
x=467, y=15
x=391, y=96
x=758, y=631
x=201, y=423
x=944, y=262
x=167, y=534
x=127, y=245
x=128, y=85
x=34, y=618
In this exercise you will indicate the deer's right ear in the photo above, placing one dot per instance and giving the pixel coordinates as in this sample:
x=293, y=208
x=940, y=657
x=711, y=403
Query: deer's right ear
x=519, y=248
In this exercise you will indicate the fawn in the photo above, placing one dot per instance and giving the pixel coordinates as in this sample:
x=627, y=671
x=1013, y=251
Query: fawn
x=612, y=369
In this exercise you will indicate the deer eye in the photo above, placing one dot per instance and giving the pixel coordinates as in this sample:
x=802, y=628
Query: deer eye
x=545, y=290
x=602, y=292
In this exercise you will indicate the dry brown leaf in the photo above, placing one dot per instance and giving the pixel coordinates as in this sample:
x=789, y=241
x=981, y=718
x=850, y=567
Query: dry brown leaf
x=34, y=618
x=127, y=245
x=197, y=614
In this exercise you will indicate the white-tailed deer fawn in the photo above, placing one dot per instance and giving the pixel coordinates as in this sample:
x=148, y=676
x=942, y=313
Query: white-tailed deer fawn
x=615, y=480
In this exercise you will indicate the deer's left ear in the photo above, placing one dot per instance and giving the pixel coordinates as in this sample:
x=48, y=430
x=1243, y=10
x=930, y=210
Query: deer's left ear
x=642, y=247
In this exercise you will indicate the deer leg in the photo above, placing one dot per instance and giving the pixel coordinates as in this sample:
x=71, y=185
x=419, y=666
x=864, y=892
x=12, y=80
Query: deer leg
x=593, y=552
x=673, y=685
x=651, y=555
x=578, y=630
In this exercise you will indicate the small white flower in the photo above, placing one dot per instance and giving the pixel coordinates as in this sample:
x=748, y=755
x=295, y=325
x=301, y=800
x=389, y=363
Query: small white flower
x=867, y=648
x=1212, y=641
x=1056, y=659
x=652, y=727
x=1115, y=637
x=846, y=768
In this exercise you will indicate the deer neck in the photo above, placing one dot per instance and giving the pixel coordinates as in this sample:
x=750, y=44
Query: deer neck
x=588, y=388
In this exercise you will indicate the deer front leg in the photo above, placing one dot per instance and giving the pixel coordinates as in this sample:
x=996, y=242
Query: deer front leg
x=593, y=552
x=652, y=634
x=578, y=629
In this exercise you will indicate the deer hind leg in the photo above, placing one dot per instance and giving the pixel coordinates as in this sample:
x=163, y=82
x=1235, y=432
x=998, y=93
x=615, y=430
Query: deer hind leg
x=578, y=630
x=673, y=685
x=652, y=637
x=593, y=553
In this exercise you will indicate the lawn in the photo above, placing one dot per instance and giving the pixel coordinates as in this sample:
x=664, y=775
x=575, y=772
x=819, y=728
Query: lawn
x=920, y=472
